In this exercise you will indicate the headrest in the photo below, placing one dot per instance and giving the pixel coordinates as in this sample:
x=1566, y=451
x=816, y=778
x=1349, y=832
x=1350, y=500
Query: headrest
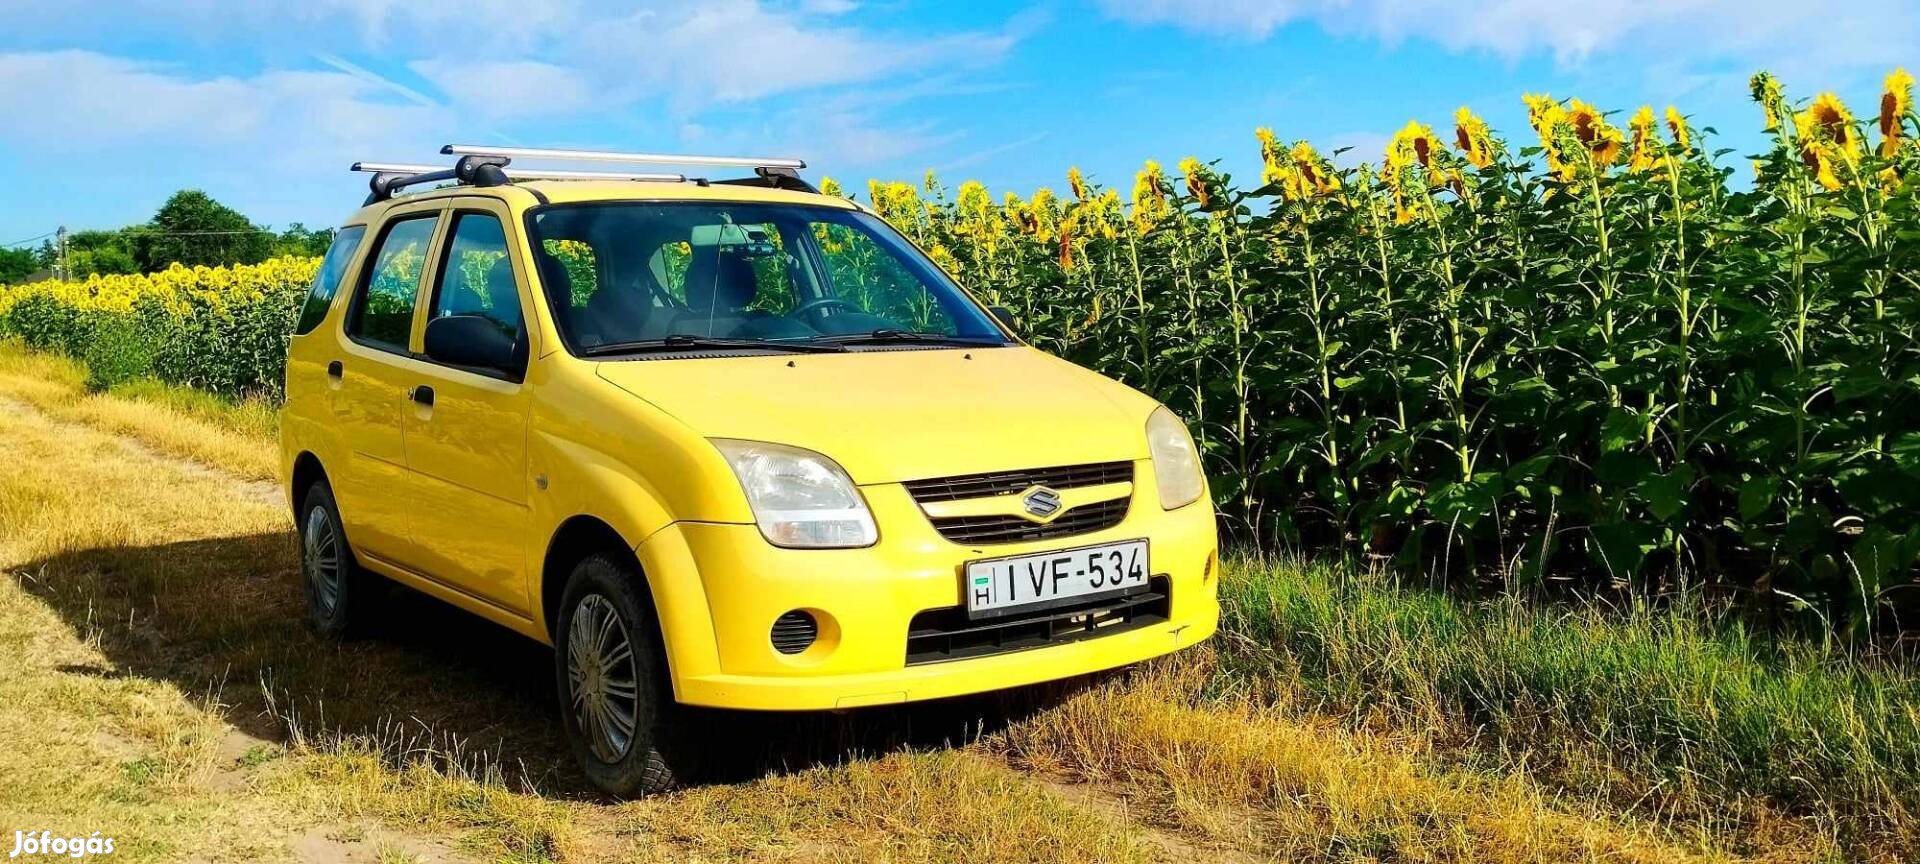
x=720, y=280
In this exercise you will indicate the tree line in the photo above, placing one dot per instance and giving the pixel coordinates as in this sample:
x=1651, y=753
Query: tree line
x=191, y=228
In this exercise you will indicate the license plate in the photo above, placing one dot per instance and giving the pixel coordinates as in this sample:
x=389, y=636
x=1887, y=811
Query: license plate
x=1028, y=583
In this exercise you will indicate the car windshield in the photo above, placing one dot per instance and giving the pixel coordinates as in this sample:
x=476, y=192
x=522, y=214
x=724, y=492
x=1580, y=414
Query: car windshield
x=634, y=276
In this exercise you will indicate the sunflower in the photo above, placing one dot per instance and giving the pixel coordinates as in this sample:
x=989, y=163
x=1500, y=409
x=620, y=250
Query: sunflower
x=1413, y=144
x=974, y=201
x=830, y=186
x=943, y=257
x=1108, y=208
x=1816, y=152
x=1197, y=185
x=1834, y=123
x=1019, y=215
x=1646, y=142
x=1542, y=112
x=1077, y=184
x=1045, y=208
x=1827, y=136
x=1591, y=128
x=1066, y=241
x=1470, y=133
x=1548, y=117
x=1314, y=175
x=1273, y=169
x=1677, y=126
x=1765, y=90
x=1405, y=208
x=1149, y=197
x=1895, y=102
x=1819, y=160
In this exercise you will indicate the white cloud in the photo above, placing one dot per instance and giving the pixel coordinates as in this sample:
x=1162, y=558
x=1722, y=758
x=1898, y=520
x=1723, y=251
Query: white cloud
x=1868, y=32
x=1252, y=18
x=273, y=143
x=506, y=89
x=740, y=51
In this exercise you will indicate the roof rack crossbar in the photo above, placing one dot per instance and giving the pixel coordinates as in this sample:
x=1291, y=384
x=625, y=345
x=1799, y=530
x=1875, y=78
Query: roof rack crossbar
x=627, y=158
x=488, y=166
x=522, y=173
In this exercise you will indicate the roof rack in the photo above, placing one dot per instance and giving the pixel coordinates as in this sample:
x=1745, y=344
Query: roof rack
x=487, y=166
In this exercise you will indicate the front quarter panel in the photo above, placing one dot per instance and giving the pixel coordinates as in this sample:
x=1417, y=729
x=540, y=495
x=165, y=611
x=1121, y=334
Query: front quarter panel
x=598, y=451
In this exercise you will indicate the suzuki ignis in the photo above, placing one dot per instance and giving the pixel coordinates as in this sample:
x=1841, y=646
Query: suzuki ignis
x=727, y=443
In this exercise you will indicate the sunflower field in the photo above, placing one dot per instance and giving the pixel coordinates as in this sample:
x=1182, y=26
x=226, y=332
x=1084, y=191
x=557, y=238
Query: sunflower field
x=1594, y=353
x=222, y=329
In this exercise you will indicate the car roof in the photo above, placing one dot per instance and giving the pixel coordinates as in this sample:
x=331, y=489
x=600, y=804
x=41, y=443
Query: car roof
x=546, y=192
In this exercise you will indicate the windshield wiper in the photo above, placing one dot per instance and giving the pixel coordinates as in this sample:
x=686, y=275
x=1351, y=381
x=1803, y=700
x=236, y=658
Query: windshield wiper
x=684, y=341
x=895, y=334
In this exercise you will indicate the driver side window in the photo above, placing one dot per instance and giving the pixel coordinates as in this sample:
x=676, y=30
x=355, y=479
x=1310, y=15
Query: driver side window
x=870, y=278
x=476, y=278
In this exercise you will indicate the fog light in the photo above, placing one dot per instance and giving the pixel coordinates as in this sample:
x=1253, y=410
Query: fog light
x=794, y=632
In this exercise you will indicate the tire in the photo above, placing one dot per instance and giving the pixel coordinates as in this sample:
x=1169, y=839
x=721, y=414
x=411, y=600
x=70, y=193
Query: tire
x=336, y=589
x=615, y=702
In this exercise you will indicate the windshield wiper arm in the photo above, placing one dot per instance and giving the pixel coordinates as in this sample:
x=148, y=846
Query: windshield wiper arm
x=895, y=334
x=683, y=341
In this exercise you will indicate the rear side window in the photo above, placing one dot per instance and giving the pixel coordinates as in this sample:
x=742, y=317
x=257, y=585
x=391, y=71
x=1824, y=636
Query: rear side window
x=382, y=315
x=326, y=283
x=477, y=279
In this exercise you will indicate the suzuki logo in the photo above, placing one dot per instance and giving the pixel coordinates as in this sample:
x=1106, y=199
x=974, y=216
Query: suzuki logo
x=1041, y=503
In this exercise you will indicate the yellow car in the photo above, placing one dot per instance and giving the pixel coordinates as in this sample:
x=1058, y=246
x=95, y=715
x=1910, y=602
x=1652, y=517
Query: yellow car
x=727, y=443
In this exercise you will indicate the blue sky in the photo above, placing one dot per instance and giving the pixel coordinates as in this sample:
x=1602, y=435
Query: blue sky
x=110, y=106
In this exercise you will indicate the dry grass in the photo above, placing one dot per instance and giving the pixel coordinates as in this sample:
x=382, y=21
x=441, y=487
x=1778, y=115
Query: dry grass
x=174, y=420
x=1255, y=776
x=155, y=684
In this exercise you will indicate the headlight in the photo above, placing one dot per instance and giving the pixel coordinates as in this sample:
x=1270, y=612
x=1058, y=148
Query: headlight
x=1176, y=462
x=801, y=499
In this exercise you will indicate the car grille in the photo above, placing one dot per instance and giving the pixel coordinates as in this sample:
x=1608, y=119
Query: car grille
x=946, y=634
x=1013, y=529
x=1014, y=482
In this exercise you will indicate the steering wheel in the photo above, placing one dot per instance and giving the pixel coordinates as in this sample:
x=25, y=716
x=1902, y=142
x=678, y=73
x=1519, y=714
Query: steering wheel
x=818, y=303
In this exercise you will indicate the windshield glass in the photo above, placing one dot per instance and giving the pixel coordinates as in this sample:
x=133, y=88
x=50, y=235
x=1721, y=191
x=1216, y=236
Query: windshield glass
x=635, y=272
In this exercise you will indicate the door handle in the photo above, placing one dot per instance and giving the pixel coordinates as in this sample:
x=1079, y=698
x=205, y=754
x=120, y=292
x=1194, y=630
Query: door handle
x=423, y=395
x=335, y=369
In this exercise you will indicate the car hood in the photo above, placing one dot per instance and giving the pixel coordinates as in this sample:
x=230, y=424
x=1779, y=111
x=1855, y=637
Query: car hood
x=893, y=415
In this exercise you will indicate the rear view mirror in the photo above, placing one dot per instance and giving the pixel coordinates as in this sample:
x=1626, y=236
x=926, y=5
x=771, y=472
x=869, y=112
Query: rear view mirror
x=473, y=341
x=1005, y=317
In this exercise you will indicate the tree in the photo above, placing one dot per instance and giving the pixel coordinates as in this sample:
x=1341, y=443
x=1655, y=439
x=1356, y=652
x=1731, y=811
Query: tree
x=300, y=241
x=102, y=252
x=17, y=264
x=192, y=228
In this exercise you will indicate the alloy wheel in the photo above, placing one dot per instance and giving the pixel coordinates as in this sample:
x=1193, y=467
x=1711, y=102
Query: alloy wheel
x=603, y=678
x=320, y=557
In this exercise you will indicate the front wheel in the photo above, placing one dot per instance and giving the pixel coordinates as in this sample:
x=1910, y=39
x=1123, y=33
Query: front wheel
x=614, y=697
x=335, y=587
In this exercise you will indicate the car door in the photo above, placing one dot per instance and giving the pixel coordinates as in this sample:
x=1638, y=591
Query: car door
x=369, y=381
x=467, y=445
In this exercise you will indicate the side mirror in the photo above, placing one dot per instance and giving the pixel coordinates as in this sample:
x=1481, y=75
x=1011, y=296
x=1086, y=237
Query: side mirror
x=473, y=341
x=1005, y=317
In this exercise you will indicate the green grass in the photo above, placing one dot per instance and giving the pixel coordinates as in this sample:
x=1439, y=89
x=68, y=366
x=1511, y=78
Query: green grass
x=259, y=417
x=1678, y=707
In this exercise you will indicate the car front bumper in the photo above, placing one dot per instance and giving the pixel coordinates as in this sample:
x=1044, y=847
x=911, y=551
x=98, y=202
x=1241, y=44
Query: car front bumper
x=719, y=587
